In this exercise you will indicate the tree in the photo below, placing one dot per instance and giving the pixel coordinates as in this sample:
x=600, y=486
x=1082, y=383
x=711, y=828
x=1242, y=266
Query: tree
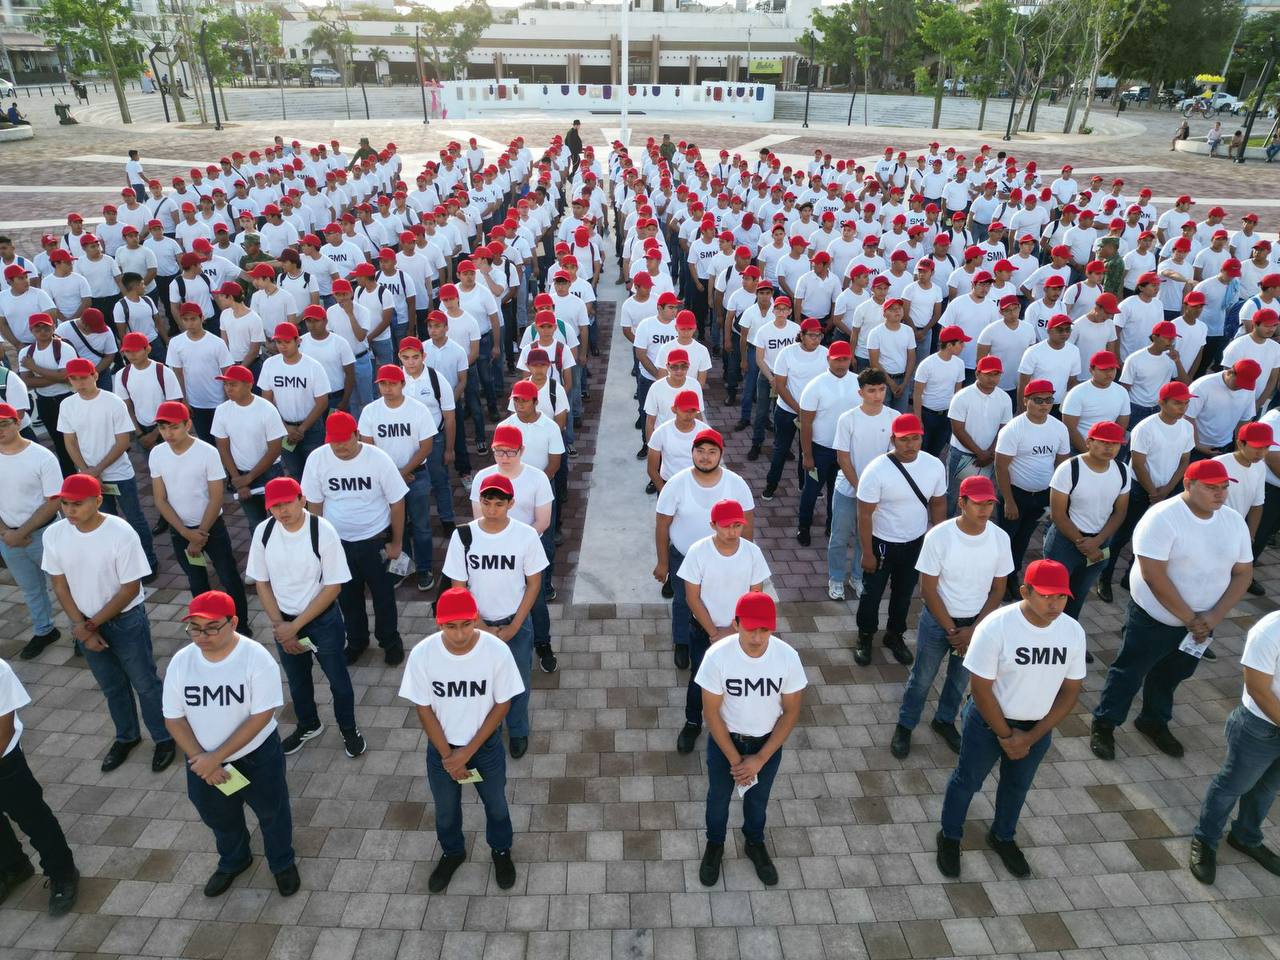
x=96, y=27
x=892, y=23
x=1193, y=37
x=334, y=37
x=1040, y=44
x=451, y=35
x=994, y=23
x=1107, y=23
x=950, y=35
x=1251, y=51
x=376, y=56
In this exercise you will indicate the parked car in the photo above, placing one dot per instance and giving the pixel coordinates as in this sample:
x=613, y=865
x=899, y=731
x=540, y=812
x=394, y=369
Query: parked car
x=1219, y=101
x=1136, y=94
x=325, y=75
x=7, y=88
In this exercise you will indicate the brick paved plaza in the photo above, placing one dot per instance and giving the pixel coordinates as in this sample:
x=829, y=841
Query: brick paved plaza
x=608, y=816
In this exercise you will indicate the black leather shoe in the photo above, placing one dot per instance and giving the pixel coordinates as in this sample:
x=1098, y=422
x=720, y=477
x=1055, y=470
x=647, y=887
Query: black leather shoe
x=769, y=490
x=1104, y=591
x=163, y=756
x=220, y=882
x=898, y=647
x=709, y=870
x=1159, y=735
x=1102, y=740
x=948, y=732
x=900, y=745
x=1256, y=589
x=741, y=425
x=759, y=856
x=444, y=870
x=63, y=894
x=354, y=654
x=643, y=452
x=288, y=882
x=504, y=871
x=1265, y=857
x=518, y=747
x=1203, y=862
x=682, y=657
x=650, y=488
x=1210, y=655
x=862, y=650
x=688, y=737
x=118, y=754
x=1010, y=856
x=802, y=536
x=393, y=656
x=948, y=857
x=36, y=645
x=754, y=453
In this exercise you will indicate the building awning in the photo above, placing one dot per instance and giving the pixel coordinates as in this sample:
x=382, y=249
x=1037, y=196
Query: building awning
x=21, y=40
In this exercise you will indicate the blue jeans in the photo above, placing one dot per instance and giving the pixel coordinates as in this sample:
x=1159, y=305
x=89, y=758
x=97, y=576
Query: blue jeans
x=521, y=647
x=364, y=392
x=699, y=644
x=1250, y=774
x=384, y=351
x=1083, y=576
x=979, y=752
x=957, y=462
x=368, y=570
x=439, y=474
x=932, y=649
x=844, y=531
x=1149, y=658
x=749, y=382
x=24, y=564
x=417, y=504
x=446, y=794
x=824, y=463
x=330, y=638
x=540, y=616
x=129, y=507
x=679, y=602
x=124, y=668
x=219, y=553
x=784, y=434
x=763, y=407
x=295, y=459
x=937, y=430
x=267, y=795
x=721, y=788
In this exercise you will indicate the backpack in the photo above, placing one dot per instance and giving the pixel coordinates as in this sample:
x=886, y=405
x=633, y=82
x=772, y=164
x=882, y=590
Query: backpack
x=465, y=535
x=1075, y=474
x=124, y=378
x=57, y=350
x=182, y=286
x=312, y=520
x=1231, y=325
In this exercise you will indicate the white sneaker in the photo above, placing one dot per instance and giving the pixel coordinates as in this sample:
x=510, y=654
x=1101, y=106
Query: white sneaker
x=855, y=587
x=835, y=589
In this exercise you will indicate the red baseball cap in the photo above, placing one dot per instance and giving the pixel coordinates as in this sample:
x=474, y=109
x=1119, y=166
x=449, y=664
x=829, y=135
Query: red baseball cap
x=978, y=488
x=1048, y=578
x=953, y=333
x=687, y=400
x=339, y=427
x=507, y=437
x=1107, y=431
x=1208, y=471
x=1038, y=386
x=756, y=611
x=172, y=411
x=1104, y=360
x=709, y=435
x=990, y=364
x=1176, y=390
x=389, y=373
x=281, y=490
x=1247, y=372
x=1257, y=435
x=496, y=481
x=522, y=390
x=80, y=367
x=79, y=486
x=907, y=425
x=211, y=605
x=236, y=374
x=727, y=512
x=456, y=604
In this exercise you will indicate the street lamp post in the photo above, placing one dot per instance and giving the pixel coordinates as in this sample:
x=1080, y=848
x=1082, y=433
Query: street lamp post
x=422, y=82
x=1263, y=82
x=853, y=90
x=626, y=69
x=808, y=89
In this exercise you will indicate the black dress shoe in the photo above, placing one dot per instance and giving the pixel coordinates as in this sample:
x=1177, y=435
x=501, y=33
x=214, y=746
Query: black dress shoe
x=898, y=647
x=862, y=650
x=1256, y=589
x=393, y=656
x=1209, y=654
x=220, y=882
x=688, y=737
x=518, y=747
x=741, y=425
x=754, y=452
x=1010, y=856
x=288, y=882
x=1102, y=740
x=682, y=657
x=504, y=871
x=709, y=870
x=642, y=452
x=1104, y=591
x=802, y=536
x=444, y=870
x=650, y=488
x=118, y=754
x=759, y=856
x=37, y=644
x=948, y=857
x=948, y=732
x=1203, y=862
x=354, y=654
x=163, y=756
x=1262, y=854
x=900, y=745
x=63, y=894
x=1159, y=735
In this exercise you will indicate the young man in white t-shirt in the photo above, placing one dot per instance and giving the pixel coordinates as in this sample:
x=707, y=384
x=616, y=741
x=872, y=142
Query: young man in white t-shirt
x=822, y=402
x=96, y=564
x=187, y=484
x=671, y=446
x=977, y=412
x=298, y=387
x=198, y=357
x=963, y=565
x=462, y=680
x=249, y=435
x=751, y=686
x=221, y=694
x=1026, y=667
x=937, y=378
x=298, y=567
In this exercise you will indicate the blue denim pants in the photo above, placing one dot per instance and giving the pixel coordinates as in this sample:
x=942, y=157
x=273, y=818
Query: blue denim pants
x=749, y=381
x=24, y=564
x=824, y=464
x=763, y=406
x=1149, y=659
x=979, y=753
x=418, y=518
x=679, y=603
x=441, y=492
x=932, y=650
x=330, y=638
x=1250, y=775
x=521, y=647
x=1083, y=576
x=446, y=793
x=721, y=789
x=844, y=533
x=312, y=439
x=365, y=392
x=125, y=668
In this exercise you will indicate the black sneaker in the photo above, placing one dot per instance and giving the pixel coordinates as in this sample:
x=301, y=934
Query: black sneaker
x=1102, y=740
x=353, y=741
x=682, y=657
x=898, y=647
x=355, y=653
x=393, y=656
x=1010, y=855
x=688, y=737
x=650, y=488
x=668, y=591
x=1159, y=735
x=288, y=882
x=802, y=536
x=571, y=450
x=482, y=448
x=948, y=857
x=1088, y=657
x=900, y=745
x=63, y=894
x=163, y=756
x=1210, y=655
x=444, y=870
x=754, y=452
x=426, y=580
x=294, y=741
x=769, y=491
x=640, y=422
x=549, y=593
x=948, y=732
x=862, y=649
x=546, y=658
x=220, y=881
x=504, y=871
x=1104, y=591
x=1203, y=862
x=118, y=754
x=1256, y=589
x=709, y=870
x=759, y=856
x=159, y=527
x=642, y=452
x=36, y=645
x=1262, y=854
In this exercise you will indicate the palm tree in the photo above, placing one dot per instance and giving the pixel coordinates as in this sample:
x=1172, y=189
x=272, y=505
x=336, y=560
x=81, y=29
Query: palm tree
x=333, y=40
x=376, y=56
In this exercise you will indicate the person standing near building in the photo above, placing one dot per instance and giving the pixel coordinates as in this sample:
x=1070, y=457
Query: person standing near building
x=97, y=565
x=752, y=687
x=221, y=693
x=1179, y=589
x=462, y=680
x=1026, y=667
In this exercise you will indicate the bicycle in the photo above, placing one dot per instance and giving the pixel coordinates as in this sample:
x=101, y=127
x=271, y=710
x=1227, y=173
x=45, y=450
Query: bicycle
x=1200, y=107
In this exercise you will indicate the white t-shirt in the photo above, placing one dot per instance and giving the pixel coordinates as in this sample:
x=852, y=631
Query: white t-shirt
x=294, y=387
x=752, y=687
x=1267, y=355
x=334, y=355
x=699, y=356
x=186, y=477
x=1218, y=410
x=900, y=517
x=289, y=564
x=1095, y=495
x=939, y=377
x=146, y=389
x=496, y=566
x=96, y=424
x=893, y=345
x=662, y=396
x=532, y=488
x=1034, y=448
x=1094, y=405
x=965, y=565
x=1043, y=362
x=399, y=432
x=972, y=317
x=1250, y=488
x=723, y=579
x=828, y=397
x=95, y=563
x=248, y=429
x=200, y=362
x=864, y=437
x=651, y=334
x=241, y=333
x=1144, y=373
x=1163, y=444
x=689, y=504
x=1169, y=531
x=773, y=339
x=542, y=439
x=13, y=696
x=800, y=367
x=460, y=690
x=675, y=447
x=983, y=414
x=357, y=494
x=216, y=698
x=1261, y=653
x=1027, y=663
x=29, y=478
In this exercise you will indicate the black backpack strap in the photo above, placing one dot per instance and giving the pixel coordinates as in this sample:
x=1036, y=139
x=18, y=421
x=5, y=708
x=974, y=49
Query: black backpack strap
x=315, y=535
x=910, y=481
x=266, y=530
x=1075, y=475
x=464, y=532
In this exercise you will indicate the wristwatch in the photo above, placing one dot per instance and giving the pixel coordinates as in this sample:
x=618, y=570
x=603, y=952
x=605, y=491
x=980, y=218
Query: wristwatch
x=93, y=627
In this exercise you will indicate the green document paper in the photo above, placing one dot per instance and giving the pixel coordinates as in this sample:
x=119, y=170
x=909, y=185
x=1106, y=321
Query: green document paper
x=236, y=782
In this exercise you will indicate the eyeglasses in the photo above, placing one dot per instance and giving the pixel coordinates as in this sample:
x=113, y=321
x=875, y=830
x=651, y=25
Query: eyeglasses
x=503, y=452
x=211, y=630
x=1045, y=400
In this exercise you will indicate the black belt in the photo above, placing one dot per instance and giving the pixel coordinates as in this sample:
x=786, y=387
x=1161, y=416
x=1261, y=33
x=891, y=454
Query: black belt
x=961, y=622
x=500, y=623
x=1021, y=724
x=290, y=617
x=742, y=740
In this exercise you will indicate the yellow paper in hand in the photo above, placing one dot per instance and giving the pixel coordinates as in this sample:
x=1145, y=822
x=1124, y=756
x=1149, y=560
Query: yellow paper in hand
x=235, y=782
x=473, y=776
